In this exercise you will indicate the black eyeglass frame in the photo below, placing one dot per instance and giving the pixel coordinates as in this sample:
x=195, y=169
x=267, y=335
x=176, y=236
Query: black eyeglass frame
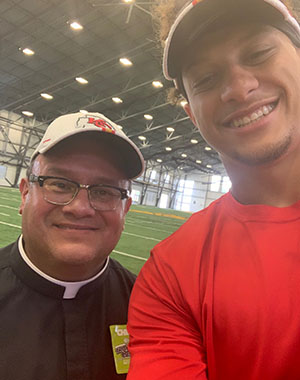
x=42, y=178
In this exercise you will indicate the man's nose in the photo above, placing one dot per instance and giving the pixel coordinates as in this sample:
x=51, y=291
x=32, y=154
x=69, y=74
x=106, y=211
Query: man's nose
x=80, y=205
x=239, y=83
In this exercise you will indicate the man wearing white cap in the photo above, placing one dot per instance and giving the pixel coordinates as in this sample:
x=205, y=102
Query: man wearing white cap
x=219, y=299
x=63, y=300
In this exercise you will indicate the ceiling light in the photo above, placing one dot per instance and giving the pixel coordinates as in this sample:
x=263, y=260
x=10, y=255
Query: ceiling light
x=83, y=111
x=81, y=80
x=157, y=84
x=148, y=117
x=170, y=129
x=46, y=96
x=125, y=62
x=117, y=100
x=209, y=166
x=183, y=103
x=128, y=1
x=76, y=26
x=207, y=148
x=159, y=160
x=193, y=141
x=168, y=149
x=142, y=138
x=198, y=161
x=184, y=155
x=27, y=113
x=28, y=51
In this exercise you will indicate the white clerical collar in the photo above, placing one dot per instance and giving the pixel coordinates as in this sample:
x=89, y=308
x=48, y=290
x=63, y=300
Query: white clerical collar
x=71, y=288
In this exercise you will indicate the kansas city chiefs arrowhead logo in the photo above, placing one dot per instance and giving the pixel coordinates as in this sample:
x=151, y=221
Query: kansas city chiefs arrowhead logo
x=87, y=121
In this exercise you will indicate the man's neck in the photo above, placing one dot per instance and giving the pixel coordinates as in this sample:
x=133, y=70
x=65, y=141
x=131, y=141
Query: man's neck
x=275, y=184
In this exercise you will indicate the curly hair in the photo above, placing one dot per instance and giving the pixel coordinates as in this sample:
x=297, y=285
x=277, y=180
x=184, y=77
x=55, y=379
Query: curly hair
x=164, y=13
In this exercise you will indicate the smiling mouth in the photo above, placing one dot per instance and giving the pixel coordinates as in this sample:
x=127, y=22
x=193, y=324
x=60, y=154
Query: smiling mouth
x=253, y=116
x=78, y=228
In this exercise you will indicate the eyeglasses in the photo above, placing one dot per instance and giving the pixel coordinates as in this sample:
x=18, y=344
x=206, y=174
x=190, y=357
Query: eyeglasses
x=61, y=191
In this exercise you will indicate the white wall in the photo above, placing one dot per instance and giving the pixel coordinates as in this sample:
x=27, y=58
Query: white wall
x=201, y=195
x=14, y=134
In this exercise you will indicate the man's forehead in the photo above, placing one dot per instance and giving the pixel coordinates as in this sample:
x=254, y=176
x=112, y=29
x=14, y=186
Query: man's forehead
x=240, y=34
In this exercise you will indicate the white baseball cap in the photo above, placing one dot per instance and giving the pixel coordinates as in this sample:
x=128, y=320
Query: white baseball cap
x=199, y=16
x=74, y=123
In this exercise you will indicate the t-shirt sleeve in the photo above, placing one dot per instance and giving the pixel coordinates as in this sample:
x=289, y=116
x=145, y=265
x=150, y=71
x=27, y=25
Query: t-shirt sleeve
x=165, y=340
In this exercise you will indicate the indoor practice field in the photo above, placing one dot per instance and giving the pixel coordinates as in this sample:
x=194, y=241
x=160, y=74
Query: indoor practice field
x=145, y=226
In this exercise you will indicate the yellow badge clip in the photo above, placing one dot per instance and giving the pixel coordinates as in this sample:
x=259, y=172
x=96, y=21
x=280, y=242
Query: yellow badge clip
x=120, y=340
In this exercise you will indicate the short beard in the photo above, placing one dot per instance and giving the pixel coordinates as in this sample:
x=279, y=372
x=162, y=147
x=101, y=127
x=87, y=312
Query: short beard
x=265, y=155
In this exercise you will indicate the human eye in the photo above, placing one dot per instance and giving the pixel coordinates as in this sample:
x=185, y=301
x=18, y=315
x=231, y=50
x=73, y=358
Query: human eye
x=104, y=193
x=204, y=82
x=259, y=55
x=59, y=185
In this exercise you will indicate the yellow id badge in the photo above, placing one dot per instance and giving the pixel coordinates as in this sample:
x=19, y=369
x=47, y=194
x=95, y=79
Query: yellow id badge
x=120, y=340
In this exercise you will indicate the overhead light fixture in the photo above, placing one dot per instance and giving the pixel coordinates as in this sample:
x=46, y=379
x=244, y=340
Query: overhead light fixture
x=159, y=160
x=125, y=61
x=194, y=141
x=117, y=100
x=157, y=84
x=76, y=26
x=184, y=155
x=170, y=129
x=142, y=138
x=46, y=96
x=183, y=103
x=81, y=80
x=148, y=117
x=168, y=149
x=28, y=51
x=198, y=161
x=83, y=111
x=27, y=113
x=128, y=1
x=207, y=148
x=209, y=166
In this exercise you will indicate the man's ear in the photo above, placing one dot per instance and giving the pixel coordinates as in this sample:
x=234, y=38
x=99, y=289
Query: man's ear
x=127, y=205
x=190, y=114
x=24, y=188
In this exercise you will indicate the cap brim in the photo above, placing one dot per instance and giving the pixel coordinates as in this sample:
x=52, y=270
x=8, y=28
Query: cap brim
x=130, y=159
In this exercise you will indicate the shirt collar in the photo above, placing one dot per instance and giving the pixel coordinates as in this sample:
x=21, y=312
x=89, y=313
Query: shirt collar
x=71, y=288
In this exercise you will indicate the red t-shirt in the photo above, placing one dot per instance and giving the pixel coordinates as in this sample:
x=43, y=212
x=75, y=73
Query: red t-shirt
x=220, y=298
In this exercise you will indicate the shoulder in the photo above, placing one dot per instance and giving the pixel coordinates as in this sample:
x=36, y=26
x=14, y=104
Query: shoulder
x=120, y=274
x=5, y=254
x=197, y=228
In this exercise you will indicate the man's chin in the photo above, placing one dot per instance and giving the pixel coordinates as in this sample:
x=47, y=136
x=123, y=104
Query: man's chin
x=263, y=155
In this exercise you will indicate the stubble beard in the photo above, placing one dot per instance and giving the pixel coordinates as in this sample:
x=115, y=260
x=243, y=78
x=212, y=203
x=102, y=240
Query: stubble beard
x=264, y=155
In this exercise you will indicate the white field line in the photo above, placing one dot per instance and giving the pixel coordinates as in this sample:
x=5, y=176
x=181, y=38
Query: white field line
x=149, y=228
x=12, y=208
x=11, y=199
x=10, y=225
x=133, y=256
x=141, y=236
x=118, y=252
x=2, y=213
x=129, y=218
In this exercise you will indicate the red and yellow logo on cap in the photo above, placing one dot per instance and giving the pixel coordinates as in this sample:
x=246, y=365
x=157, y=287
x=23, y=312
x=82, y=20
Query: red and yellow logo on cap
x=195, y=2
x=86, y=121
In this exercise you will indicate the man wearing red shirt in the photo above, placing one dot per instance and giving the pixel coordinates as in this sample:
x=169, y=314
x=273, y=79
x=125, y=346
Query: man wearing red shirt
x=219, y=299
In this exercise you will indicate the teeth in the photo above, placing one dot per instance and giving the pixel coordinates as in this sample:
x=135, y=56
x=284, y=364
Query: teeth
x=258, y=114
x=254, y=116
